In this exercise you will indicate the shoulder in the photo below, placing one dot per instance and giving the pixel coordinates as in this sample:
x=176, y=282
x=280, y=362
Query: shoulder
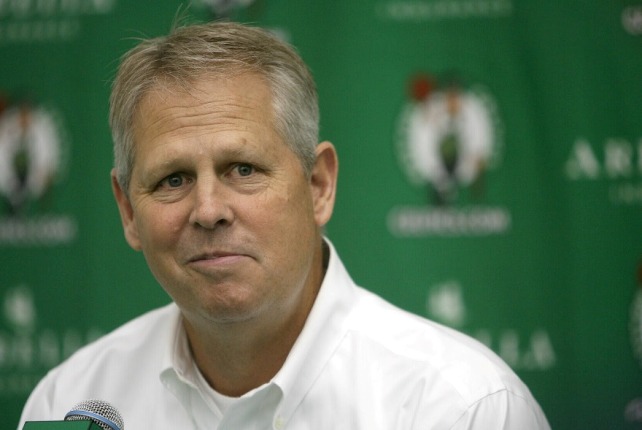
x=434, y=373
x=106, y=367
x=139, y=334
x=464, y=369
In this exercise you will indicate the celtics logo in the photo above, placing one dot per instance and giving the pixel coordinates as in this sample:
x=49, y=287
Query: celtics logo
x=31, y=154
x=636, y=319
x=633, y=410
x=448, y=137
x=223, y=8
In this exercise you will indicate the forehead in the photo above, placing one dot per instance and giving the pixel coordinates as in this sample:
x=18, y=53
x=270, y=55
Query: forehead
x=205, y=101
x=214, y=120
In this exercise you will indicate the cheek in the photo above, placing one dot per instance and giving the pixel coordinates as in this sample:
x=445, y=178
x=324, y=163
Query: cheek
x=281, y=222
x=158, y=227
x=298, y=227
x=295, y=211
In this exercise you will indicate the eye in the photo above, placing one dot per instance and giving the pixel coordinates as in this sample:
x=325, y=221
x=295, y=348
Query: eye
x=245, y=169
x=173, y=181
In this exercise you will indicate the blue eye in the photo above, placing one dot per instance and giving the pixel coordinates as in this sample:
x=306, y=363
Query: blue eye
x=245, y=169
x=174, y=181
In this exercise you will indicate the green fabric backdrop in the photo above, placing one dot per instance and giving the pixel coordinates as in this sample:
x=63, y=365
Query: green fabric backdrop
x=535, y=248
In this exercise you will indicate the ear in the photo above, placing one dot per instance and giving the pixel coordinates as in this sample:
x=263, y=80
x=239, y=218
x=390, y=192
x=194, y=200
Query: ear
x=126, y=213
x=324, y=182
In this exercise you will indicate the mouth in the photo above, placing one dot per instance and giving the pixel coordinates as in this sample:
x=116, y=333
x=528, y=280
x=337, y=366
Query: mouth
x=217, y=258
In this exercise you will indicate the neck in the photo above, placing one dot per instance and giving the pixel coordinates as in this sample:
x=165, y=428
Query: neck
x=237, y=357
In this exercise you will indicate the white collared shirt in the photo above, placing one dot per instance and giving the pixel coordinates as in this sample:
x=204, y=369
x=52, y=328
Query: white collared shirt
x=359, y=363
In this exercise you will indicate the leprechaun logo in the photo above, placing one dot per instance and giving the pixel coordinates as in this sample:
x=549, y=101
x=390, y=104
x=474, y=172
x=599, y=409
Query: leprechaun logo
x=448, y=138
x=33, y=158
x=633, y=410
x=224, y=8
x=636, y=318
x=31, y=154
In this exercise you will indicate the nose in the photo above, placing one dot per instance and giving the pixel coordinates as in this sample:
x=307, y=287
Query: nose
x=211, y=204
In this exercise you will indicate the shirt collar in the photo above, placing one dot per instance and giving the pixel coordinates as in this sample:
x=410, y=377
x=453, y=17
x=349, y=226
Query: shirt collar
x=181, y=356
x=322, y=333
x=177, y=363
x=324, y=329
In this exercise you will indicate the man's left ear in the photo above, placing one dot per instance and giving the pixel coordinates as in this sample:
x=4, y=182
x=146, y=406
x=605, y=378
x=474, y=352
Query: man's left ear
x=324, y=182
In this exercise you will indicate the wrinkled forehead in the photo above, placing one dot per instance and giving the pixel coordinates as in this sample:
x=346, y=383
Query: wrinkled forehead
x=180, y=82
x=214, y=95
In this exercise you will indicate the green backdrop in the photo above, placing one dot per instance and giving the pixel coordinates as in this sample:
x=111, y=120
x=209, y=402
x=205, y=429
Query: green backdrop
x=491, y=166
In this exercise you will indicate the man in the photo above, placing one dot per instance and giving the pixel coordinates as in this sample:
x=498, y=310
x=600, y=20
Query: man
x=221, y=184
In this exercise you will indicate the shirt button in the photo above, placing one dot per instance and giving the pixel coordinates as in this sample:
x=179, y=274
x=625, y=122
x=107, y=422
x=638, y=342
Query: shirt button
x=279, y=423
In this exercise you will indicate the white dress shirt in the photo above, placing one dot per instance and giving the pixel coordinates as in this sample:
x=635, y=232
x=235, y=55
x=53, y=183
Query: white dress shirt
x=359, y=363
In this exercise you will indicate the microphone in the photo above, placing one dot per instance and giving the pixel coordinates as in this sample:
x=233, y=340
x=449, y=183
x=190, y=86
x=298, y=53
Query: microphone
x=87, y=415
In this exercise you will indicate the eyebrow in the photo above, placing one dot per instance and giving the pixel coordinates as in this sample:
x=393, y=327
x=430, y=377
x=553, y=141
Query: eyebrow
x=228, y=150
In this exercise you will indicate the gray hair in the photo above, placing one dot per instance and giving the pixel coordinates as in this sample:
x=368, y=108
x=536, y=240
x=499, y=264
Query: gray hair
x=215, y=49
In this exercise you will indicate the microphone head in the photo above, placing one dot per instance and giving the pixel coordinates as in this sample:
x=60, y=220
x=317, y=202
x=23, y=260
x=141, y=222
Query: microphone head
x=101, y=413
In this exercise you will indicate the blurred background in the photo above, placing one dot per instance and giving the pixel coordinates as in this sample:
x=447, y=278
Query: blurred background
x=491, y=178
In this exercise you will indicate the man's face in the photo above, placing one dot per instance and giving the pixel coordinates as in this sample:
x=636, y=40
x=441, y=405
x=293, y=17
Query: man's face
x=221, y=208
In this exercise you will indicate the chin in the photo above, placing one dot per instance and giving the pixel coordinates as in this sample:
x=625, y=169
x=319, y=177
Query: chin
x=228, y=313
